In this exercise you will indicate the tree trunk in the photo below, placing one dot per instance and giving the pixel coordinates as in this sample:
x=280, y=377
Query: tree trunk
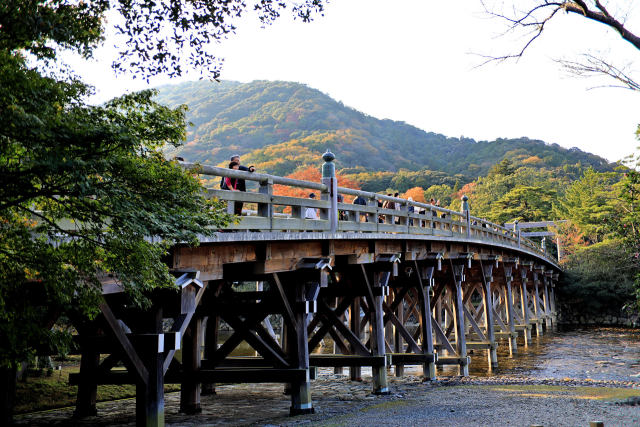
x=7, y=395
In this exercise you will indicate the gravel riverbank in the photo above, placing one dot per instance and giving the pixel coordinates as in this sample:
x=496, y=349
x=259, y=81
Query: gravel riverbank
x=450, y=401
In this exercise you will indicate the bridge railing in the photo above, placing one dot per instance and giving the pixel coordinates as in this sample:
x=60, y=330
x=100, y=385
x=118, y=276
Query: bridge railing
x=267, y=211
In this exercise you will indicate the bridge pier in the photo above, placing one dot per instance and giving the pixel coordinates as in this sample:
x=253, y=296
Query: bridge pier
x=298, y=345
x=424, y=286
x=487, y=301
x=355, y=372
x=546, y=303
x=510, y=313
x=537, y=311
x=190, y=389
x=457, y=270
x=524, y=305
x=376, y=289
x=150, y=394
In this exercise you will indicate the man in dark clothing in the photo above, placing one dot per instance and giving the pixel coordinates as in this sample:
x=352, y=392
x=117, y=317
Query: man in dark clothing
x=241, y=184
x=361, y=201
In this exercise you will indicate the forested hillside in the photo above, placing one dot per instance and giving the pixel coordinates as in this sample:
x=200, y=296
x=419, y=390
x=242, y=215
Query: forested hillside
x=282, y=127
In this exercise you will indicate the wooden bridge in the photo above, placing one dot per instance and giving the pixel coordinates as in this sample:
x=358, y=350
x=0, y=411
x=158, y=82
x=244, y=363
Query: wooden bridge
x=416, y=285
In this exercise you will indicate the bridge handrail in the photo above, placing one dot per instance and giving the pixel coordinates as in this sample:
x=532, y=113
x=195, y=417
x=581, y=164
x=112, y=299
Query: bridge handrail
x=427, y=219
x=261, y=178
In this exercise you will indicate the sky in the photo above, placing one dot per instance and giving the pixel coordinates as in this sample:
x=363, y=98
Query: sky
x=417, y=62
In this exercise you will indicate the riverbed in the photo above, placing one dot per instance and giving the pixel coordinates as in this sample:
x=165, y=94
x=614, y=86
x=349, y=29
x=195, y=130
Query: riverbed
x=565, y=378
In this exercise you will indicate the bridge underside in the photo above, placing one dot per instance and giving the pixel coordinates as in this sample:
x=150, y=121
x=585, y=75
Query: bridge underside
x=382, y=301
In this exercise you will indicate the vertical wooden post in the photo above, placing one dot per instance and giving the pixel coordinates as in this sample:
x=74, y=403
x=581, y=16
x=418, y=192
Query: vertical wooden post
x=424, y=299
x=559, y=249
x=552, y=301
x=329, y=179
x=190, y=389
x=266, y=209
x=150, y=397
x=210, y=347
x=487, y=301
x=88, y=387
x=524, y=302
x=298, y=340
x=397, y=338
x=547, y=308
x=354, y=318
x=458, y=317
x=376, y=330
x=513, y=343
x=464, y=207
x=337, y=370
x=536, y=304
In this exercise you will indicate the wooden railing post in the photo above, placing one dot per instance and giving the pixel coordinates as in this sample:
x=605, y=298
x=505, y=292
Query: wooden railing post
x=329, y=179
x=266, y=209
x=465, y=208
x=516, y=228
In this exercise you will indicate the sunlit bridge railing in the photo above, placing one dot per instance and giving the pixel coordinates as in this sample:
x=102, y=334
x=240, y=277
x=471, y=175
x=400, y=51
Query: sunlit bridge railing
x=268, y=212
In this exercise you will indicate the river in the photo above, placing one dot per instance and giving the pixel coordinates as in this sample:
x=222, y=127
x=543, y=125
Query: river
x=606, y=354
x=590, y=353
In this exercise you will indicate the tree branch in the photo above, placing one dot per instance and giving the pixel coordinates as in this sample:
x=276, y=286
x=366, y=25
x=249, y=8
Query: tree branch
x=534, y=19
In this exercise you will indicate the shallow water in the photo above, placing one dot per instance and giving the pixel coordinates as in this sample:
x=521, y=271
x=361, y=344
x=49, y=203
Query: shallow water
x=606, y=354
x=594, y=353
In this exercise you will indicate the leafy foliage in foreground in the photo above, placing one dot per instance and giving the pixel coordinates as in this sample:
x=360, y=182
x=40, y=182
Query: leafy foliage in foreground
x=84, y=191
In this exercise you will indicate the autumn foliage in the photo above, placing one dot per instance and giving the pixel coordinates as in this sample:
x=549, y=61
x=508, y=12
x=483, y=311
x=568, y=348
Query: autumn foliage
x=312, y=174
x=416, y=193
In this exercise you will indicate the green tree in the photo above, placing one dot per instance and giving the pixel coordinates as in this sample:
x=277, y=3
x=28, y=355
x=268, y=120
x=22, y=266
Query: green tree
x=524, y=203
x=439, y=192
x=82, y=189
x=590, y=203
x=505, y=168
x=85, y=190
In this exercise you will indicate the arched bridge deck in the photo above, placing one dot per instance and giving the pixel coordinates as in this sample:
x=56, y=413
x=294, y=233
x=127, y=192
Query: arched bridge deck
x=413, y=285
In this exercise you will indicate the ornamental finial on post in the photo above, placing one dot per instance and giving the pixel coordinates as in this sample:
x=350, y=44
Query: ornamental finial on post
x=329, y=168
x=464, y=206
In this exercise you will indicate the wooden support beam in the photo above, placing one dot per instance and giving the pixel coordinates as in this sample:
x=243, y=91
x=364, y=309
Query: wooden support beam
x=150, y=395
x=298, y=347
x=508, y=297
x=327, y=325
x=337, y=323
x=340, y=360
x=545, y=303
x=132, y=360
x=524, y=303
x=457, y=271
x=376, y=324
x=288, y=315
x=487, y=301
x=429, y=367
x=412, y=359
x=413, y=346
x=191, y=360
x=355, y=372
x=263, y=343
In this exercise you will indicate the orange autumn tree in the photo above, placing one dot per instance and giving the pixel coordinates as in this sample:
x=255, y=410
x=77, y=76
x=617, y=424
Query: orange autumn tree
x=312, y=174
x=416, y=193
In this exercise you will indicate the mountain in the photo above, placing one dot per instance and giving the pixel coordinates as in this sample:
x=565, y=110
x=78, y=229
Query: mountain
x=283, y=126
